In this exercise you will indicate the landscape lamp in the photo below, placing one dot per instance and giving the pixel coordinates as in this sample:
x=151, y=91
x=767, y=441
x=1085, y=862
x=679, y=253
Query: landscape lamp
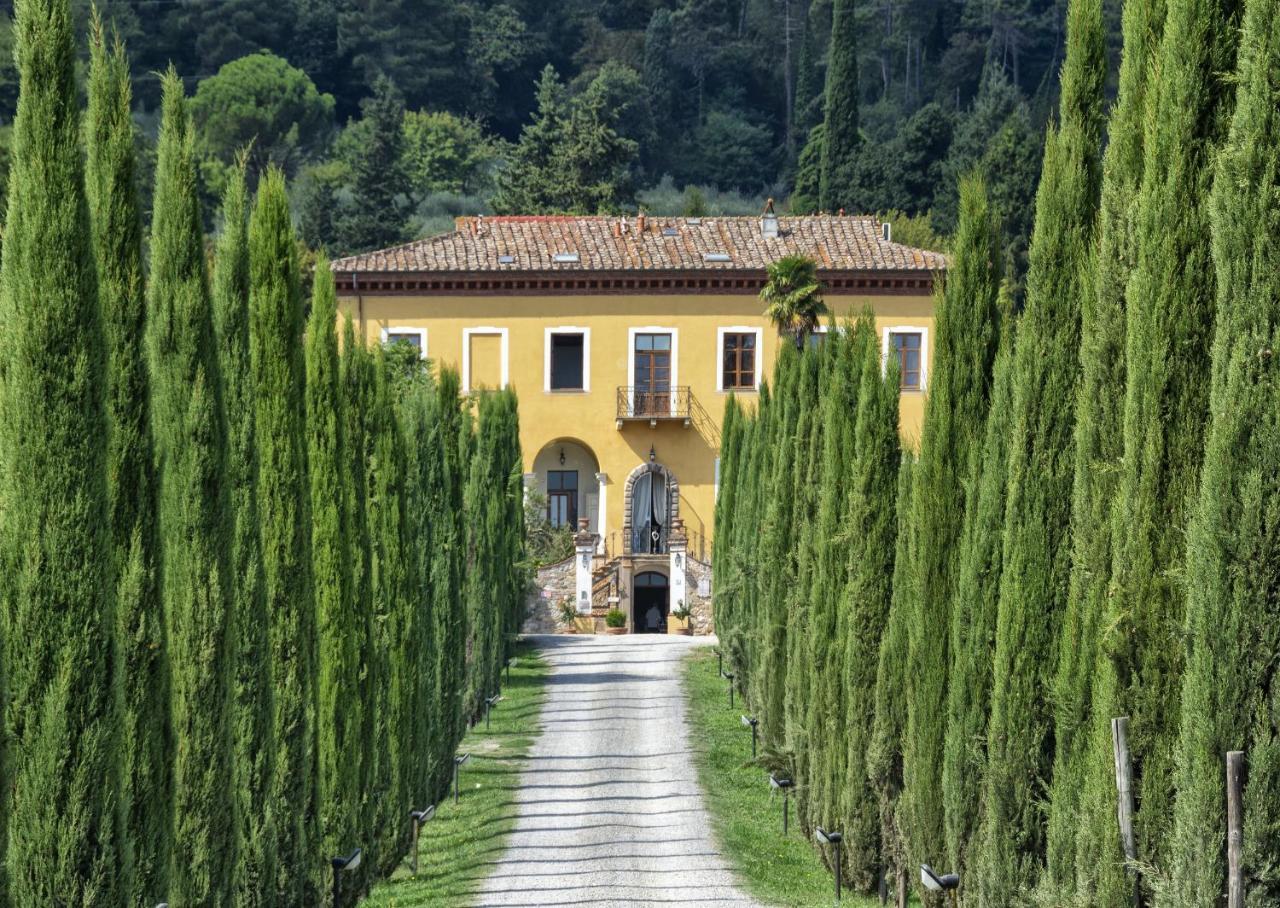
x=342, y=865
x=831, y=838
x=785, y=785
x=948, y=882
x=458, y=761
x=753, y=723
x=419, y=817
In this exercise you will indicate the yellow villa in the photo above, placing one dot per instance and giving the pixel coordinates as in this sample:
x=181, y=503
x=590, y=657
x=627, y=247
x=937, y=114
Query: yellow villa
x=623, y=337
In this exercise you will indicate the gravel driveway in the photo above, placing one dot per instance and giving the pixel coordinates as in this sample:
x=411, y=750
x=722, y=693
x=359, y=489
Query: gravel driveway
x=609, y=810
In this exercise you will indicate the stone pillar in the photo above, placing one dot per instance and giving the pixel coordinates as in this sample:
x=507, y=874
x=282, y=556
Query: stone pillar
x=584, y=546
x=603, y=505
x=678, y=545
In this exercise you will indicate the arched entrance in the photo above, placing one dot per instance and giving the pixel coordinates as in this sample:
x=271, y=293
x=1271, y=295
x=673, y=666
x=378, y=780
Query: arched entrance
x=651, y=602
x=568, y=476
x=653, y=504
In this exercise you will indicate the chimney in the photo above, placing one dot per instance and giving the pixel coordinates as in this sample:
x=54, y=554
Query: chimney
x=841, y=213
x=461, y=223
x=640, y=221
x=769, y=222
x=887, y=229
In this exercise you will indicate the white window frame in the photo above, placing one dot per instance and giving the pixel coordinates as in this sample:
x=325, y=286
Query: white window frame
x=887, y=333
x=467, y=334
x=548, y=334
x=631, y=361
x=738, y=329
x=421, y=332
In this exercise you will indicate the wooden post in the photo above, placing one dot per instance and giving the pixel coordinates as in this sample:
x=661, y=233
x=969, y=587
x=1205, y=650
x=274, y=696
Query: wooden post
x=902, y=887
x=1124, y=792
x=1235, y=829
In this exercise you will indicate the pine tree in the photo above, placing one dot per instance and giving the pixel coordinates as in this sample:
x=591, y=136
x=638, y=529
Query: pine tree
x=379, y=179
x=973, y=614
x=871, y=526
x=252, y=735
x=191, y=451
x=1169, y=324
x=62, y=712
x=1229, y=687
x=110, y=182
x=1035, y=571
x=966, y=333
x=339, y=719
x=531, y=179
x=840, y=138
x=275, y=344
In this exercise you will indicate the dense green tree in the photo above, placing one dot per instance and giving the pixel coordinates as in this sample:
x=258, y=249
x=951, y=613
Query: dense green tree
x=1035, y=572
x=1170, y=310
x=380, y=185
x=62, y=773
x=110, y=182
x=966, y=334
x=531, y=173
x=840, y=122
x=253, y=739
x=275, y=343
x=1229, y=690
x=804, y=196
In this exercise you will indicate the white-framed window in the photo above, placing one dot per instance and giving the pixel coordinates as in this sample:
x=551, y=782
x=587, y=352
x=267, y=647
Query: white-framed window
x=653, y=367
x=478, y=359
x=415, y=336
x=566, y=362
x=738, y=352
x=910, y=343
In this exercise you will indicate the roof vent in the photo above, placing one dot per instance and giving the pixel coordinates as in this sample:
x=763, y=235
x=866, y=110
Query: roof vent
x=693, y=222
x=769, y=222
x=887, y=229
x=566, y=258
x=717, y=257
x=506, y=260
x=670, y=231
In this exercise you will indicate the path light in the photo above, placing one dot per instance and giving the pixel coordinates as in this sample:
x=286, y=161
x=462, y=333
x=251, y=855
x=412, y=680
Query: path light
x=510, y=661
x=729, y=678
x=419, y=817
x=785, y=785
x=753, y=723
x=719, y=662
x=490, y=703
x=948, y=882
x=831, y=838
x=458, y=761
x=340, y=866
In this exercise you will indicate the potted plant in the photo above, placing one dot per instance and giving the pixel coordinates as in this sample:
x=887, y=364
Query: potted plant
x=567, y=612
x=681, y=613
x=616, y=621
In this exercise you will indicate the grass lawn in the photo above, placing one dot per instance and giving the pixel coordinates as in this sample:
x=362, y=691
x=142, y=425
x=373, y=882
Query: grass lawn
x=458, y=847
x=747, y=819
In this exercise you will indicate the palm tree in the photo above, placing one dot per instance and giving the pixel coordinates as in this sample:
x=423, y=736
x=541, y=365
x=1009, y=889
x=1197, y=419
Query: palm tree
x=793, y=297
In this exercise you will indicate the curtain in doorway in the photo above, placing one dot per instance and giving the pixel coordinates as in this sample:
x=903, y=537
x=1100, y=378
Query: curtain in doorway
x=649, y=513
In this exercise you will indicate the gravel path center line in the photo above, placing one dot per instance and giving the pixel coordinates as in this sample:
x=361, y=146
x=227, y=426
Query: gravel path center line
x=609, y=811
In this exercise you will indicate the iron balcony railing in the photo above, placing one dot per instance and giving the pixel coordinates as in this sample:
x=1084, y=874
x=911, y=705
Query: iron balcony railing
x=645, y=403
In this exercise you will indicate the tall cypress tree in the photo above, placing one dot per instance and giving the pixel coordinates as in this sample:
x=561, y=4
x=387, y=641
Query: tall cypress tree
x=1170, y=315
x=193, y=508
x=840, y=137
x=275, y=344
x=416, y=413
x=62, y=775
x=1233, y=566
x=339, y=720
x=966, y=334
x=973, y=613
x=253, y=739
x=1036, y=564
x=110, y=181
x=871, y=523
x=447, y=570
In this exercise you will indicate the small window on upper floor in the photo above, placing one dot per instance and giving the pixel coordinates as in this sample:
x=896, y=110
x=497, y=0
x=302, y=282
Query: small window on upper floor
x=908, y=346
x=738, y=361
x=415, y=337
x=568, y=362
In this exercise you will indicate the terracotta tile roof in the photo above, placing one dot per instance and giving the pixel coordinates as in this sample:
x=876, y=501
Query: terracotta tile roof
x=532, y=244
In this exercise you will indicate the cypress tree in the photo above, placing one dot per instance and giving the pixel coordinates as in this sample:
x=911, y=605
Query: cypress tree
x=871, y=525
x=1036, y=565
x=1170, y=315
x=253, y=740
x=884, y=748
x=973, y=613
x=724, y=569
x=1230, y=688
x=339, y=722
x=193, y=508
x=966, y=333
x=275, y=345
x=840, y=138
x=1082, y=850
x=55, y=549
x=110, y=182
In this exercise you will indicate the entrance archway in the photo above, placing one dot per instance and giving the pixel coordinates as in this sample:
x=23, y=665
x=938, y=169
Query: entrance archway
x=652, y=507
x=651, y=602
x=567, y=474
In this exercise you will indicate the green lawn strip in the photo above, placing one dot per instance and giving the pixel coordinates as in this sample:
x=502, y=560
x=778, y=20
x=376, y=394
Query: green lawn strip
x=746, y=815
x=460, y=845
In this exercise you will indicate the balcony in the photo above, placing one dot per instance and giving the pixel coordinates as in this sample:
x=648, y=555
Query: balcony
x=642, y=404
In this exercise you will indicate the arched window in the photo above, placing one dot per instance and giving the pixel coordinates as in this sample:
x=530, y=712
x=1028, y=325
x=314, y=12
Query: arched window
x=649, y=510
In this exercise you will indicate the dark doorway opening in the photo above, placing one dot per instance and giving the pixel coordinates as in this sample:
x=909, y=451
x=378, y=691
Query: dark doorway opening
x=651, y=603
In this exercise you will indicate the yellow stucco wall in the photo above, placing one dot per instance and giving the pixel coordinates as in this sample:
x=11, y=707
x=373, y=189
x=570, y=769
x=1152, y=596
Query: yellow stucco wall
x=483, y=337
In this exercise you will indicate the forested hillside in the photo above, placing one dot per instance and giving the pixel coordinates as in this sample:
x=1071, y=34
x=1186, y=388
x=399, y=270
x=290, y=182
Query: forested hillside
x=674, y=104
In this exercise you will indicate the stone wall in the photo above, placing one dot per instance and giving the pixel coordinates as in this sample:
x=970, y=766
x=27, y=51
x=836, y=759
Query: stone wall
x=702, y=617
x=552, y=583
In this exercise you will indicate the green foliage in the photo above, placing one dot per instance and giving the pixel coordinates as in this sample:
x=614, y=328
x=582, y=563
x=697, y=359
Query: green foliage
x=379, y=182
x=275, y=343
x=615, y=618
x=546, y=544
x=840, y=137
x=110, y=183
x=792, y=296
x=446, y=153
x=61, y=717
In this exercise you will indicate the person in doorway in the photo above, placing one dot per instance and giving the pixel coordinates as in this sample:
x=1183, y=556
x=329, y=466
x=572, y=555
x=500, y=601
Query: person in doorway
x=652, y=618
